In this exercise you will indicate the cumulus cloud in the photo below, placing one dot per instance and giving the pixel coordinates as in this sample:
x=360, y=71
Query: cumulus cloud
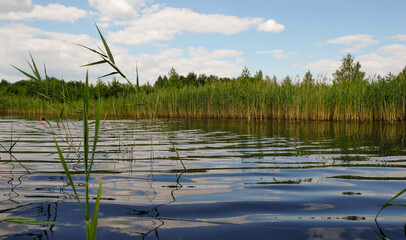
x=164, y=24
x=55, y=12
x=219, y=54
x=390, y=58
x=278, y=53
x=63, y=59
x=400, y=37
x=223, y=62
x=323, y=66
x=16, y=5
x=125, y=9
x=271, y=26
x=358, y=41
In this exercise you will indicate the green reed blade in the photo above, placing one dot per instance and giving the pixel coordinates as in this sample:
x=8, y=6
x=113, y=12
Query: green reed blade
x=95, y=63
x=34, y=68
x=92, y=50
x=109, y=74
x=106, y=46
x=388, y=203
x=95, y=216
x=96, y=131
x=67, y=173
x=25, y=73
x=85, y=121
x=118, y=71
x=32, y=221
x=86, y=143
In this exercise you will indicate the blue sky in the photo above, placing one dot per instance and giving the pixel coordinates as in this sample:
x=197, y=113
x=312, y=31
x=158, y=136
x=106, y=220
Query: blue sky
x=213, y=37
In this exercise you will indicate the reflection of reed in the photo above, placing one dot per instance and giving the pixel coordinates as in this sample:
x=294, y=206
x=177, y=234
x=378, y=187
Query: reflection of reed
x=153, y=211
x=381, y=233
x=13, y=194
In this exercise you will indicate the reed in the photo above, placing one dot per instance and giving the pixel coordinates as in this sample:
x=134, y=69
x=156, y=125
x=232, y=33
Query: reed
x=90, y=223
x=381, y=100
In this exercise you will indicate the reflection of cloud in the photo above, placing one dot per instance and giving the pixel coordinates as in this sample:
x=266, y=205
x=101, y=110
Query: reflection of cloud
x=134, y=226
x=316, y=206
x=336, y=233
x=14, y=229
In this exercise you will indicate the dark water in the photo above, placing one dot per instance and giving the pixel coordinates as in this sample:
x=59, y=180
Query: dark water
x=267, y=180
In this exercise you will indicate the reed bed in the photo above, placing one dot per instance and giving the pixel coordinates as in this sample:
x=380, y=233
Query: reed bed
x=256, y=100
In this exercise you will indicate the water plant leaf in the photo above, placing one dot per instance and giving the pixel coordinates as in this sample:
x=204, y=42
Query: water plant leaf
x=388, y=203
x=95, y=216
x=91, y=49
x=67, y=173
x=32, y=221
x=95, y=63
x=106, y=46
x=109, y=74
x=25, y=73
x=34, y=68
x=96, y=130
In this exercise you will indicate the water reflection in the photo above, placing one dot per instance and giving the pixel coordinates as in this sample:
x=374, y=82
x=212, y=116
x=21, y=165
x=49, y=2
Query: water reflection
x=313, y=178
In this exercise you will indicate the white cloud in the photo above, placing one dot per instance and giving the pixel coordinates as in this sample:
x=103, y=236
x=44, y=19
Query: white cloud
x=164, y=24
x=223, y=62
x=219, y=54
x=358, y=41
x=56, y=12
x=125, y=9
x=278, y=53
x=323, y=66
x=16, y=5
x=271, y=26
x=400, y=37
x=63, y=59
x=390, y=58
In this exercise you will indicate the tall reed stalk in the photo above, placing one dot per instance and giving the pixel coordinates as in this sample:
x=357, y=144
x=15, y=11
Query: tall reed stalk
x=91, y=222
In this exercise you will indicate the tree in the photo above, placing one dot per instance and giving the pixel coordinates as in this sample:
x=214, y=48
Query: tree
x=192, y=79
x=245, y=74
x=349, y=71
x=174, y=80
x=308, y=79
x=259, y=76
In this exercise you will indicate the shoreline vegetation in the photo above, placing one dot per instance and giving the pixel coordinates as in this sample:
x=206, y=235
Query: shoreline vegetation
x=348, y=97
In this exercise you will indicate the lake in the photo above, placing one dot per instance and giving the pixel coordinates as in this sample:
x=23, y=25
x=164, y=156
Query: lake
x=244, y=180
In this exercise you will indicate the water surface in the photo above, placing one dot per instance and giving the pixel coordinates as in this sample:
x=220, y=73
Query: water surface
x=244, y=180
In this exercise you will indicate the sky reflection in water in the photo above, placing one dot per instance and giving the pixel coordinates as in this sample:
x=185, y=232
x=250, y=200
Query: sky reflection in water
x=244, y=180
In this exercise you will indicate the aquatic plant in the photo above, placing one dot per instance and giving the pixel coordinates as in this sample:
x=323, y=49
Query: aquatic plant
x=311, y=99
x=91, y=223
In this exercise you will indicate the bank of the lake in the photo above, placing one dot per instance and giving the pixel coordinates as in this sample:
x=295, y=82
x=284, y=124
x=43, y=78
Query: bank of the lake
x=383, y=100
